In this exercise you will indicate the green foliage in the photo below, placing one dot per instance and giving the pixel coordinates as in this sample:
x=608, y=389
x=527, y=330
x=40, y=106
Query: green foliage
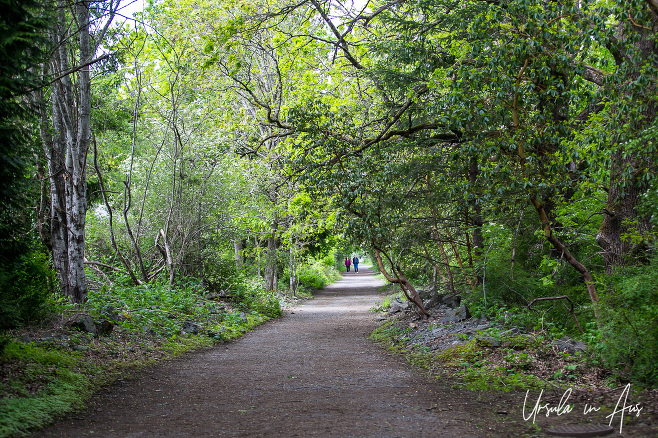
x=23, y=273
x=26, y=290
x=157, y=308
x=627, y=341
x=162, y=310
x=318, y=273
x=252, y=295
x=499, y=378
x=63, y=387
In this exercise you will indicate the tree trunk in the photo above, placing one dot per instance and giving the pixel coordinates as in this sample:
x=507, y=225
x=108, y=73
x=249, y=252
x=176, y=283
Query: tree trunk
x=446, y=261
x=66, y=151
x=460, y=263
x=257, y=249
x=476, y=215
x=407, y=287
x=271, y=279
x=293, y=273
x=628, y=165
x=238, y=247
x=621, y=217
x=76, y=162
x=55, y=150
x=548, y=234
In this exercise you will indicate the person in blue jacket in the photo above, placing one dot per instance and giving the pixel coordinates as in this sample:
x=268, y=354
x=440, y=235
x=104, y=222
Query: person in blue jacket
x=355, y=262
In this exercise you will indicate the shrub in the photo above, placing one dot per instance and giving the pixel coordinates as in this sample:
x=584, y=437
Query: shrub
x=316, y=274
x=627, y=339
x=24, y=290
x=253, y=295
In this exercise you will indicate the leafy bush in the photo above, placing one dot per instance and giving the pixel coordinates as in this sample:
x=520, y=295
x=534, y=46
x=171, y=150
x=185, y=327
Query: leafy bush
x=24, y=290
x=162, y=309
x=251, y=293
x=627, y=339
x=317, y=274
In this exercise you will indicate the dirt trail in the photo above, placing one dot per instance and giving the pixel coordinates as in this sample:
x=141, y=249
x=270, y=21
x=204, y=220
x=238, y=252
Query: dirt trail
x=312, y=373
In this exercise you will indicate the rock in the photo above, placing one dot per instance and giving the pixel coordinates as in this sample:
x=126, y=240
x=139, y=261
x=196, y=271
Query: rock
x=83, y=322
x=243, y=317
x=566, y=344
x=398, y=306
x=433, y=302
x=76, y=347
x=110, y=313
x=425, y=294
x=451, y=300
x=53, y=337
x=462, y=313
x=104, y=327
x=25, y=339
x=457, y=315
x=449, y=316
x=482, y=320
x=190, y=327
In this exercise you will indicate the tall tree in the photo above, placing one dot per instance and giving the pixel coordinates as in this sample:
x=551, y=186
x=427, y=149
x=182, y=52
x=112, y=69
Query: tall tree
x=66, y=134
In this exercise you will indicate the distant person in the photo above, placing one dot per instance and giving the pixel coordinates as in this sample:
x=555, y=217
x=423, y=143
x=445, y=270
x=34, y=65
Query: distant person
x=347, y=263
x=355, y=262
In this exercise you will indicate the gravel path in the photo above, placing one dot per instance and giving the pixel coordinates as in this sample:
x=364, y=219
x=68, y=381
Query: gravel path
x=312, y=373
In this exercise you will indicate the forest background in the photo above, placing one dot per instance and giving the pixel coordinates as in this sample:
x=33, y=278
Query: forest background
x=503, y=150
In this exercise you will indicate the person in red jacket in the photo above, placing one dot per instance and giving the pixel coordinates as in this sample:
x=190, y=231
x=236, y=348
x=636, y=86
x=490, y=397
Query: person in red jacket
x=347, y=263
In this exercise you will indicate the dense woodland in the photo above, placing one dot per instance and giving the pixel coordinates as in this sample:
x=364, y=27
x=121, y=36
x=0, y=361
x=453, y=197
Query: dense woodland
x=504, y=150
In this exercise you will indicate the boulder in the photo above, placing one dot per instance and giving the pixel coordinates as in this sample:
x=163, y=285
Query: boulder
x=425, y=294
x=433, y=302
x=462, y=313
x=104, y=327
x=566, y=344
x=449, y=316
x=398, y=306
x=110, y=313
x=482, y=321
x=457, y=315
x=83, y=322
x=451, y=300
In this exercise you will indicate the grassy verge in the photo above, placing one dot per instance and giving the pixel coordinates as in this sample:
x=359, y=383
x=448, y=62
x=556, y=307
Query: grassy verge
x=515, y=363
x=49, y=371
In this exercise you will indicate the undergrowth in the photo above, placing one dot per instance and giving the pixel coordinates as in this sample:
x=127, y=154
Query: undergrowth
x=481, y=367
x=60, y=368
